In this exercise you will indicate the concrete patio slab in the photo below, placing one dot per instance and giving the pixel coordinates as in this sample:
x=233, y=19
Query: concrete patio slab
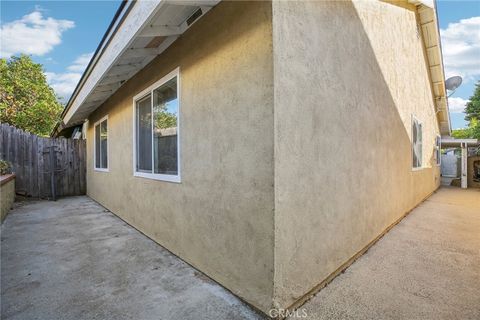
x=426, y=267
x=72, y=259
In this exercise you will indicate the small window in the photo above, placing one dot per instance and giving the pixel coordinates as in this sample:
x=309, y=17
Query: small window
x=157, y=130
x=438, y=150
x=417, y=132
x=101, y=145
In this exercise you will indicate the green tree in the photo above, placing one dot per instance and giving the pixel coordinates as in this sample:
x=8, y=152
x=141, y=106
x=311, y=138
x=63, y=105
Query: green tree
x=473, y=106
x=26, y=100
x=472, y=132
x=163, y=118
x=461, y=133
x=472, y=109
x=474, y=128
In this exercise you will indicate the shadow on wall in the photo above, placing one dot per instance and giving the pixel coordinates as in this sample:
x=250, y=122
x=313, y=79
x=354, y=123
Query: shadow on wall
x=347, y=130
x=220, y=217
x=209, y=47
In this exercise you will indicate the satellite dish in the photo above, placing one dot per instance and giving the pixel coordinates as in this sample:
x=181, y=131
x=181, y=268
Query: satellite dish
x=453, y=83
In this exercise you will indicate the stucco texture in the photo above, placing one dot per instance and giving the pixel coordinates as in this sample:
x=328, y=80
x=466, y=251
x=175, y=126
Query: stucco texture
x=220, y=217
x=7, y=194
x=347, y=78
x=295, y=135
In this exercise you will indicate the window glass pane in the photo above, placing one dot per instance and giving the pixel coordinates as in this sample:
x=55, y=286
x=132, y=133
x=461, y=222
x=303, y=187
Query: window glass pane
x=97, y=146
x=165, y=112
x=103, y=144
x=144, y=135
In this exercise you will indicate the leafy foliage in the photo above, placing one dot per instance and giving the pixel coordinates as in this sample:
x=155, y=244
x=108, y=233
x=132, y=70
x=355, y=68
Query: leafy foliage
x=473, y=106
x=5, y=167
x=163, y=118
x=461, y=133
x=26, y=100
x=472, y=132
x=472, y=110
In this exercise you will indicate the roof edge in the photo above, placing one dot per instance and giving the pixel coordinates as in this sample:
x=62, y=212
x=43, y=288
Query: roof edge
x=115, y=23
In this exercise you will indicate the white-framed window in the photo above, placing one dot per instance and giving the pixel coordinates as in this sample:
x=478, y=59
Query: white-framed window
x=438, y=150
x=156, y=137
x=417, y=145
x=100, y=145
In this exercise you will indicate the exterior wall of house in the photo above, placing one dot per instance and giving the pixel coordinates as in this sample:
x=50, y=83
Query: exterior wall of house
x=347, y=78
x=220, y=217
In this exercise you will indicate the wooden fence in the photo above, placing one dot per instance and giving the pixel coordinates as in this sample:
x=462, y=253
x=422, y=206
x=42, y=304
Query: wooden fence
x=44, y=167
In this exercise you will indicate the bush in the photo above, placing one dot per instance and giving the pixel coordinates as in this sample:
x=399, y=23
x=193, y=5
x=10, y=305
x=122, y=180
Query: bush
x=5, y=167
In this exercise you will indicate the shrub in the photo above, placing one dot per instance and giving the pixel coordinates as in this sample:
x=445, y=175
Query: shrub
x=5, y=167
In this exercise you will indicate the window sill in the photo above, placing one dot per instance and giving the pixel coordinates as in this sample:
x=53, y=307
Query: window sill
x=159, y=177
x=101, y=169
x=426, y=167
x=419, y=168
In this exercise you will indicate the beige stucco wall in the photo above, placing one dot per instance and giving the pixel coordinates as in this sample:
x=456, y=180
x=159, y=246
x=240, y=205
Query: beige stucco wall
x=329, y=96
x=220, y=217
x=7, y=196
x=347, y=78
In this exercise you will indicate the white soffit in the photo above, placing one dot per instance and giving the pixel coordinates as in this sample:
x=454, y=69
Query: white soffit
x=431, y=39
x=428, y=3
x=147, y=29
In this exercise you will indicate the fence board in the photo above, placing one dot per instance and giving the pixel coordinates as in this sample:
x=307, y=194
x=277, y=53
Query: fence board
x=40, y=176
x=76, y=172
x=64, y=179
x=28, y=154
x=34, y=164
x=18, y=155
x=82, y=167
x=31, y=162
x=67, y=146
x=21, y=156
x=70, y=160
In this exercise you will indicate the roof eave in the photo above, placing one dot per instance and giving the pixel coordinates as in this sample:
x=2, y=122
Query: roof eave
x=136, y=24
x=433, y=51
x=116, y=21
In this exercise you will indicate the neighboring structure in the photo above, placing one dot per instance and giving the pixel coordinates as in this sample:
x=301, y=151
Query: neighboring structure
x=466, y=169
x=473, y=164
x=451, y=167
x=265, y=143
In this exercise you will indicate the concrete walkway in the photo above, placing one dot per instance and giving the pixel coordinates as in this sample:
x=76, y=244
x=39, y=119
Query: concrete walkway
x=71, y=259
x=426, y=267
